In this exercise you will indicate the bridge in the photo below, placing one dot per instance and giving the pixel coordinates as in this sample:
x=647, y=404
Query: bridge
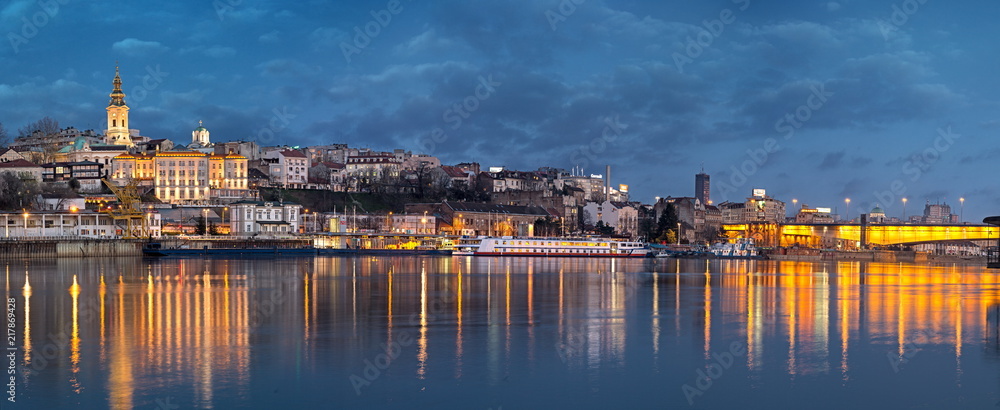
x=853, y=235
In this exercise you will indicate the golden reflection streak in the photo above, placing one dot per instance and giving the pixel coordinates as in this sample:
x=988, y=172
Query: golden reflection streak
x=531, y=310
x=751, y=321
x=507, y=293
x=103, y=292
x=708, y=315
x=656, y=317
x=26, y=292
x=422, y=341
x=958, y=339
x=459, y=343
x=74, y=291
x=388, y=309
x=121, y=382
x=845, y=318
x=305, y=308
x=792, y=312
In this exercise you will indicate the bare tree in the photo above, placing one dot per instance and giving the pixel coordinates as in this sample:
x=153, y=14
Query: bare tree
x=46, y=126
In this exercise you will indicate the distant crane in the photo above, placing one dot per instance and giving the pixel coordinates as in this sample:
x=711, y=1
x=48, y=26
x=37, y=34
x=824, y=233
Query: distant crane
x=128, y=215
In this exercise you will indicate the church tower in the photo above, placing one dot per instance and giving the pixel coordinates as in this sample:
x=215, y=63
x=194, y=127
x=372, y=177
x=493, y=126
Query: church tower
x=117, y=132
x=199, y=137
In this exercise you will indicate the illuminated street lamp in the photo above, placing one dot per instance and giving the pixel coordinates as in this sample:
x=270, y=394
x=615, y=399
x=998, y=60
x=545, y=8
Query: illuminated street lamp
x=795, y=204
x=904, y=210
x=961, y=216
x=678, y=233
x=26, y=223
x=848, y=216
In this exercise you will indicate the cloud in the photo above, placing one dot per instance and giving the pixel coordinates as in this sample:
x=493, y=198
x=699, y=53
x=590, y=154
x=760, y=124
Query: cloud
x=832, y=6
x=136, y=47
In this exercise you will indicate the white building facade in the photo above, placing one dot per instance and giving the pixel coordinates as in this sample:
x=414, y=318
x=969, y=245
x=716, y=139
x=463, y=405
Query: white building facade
x=250, y=218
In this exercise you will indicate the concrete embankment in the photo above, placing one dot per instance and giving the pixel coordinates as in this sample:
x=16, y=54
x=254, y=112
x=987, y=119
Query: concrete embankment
x=75, y=248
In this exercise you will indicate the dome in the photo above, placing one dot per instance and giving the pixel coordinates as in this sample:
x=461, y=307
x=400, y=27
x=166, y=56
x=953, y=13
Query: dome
x=877, y=210
x=79, y=143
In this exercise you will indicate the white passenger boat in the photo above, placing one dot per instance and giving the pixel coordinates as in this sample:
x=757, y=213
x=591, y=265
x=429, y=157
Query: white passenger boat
x=467, y=246
x=741, y=248
x=575, y=247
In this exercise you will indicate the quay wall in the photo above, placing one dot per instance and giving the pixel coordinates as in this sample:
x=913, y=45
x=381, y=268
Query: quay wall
x=75, y=248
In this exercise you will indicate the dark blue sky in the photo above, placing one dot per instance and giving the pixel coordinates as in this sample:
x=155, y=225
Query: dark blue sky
x=881, y=95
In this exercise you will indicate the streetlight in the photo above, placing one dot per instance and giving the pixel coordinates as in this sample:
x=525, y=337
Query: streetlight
x=904, y=210
x=678, y=233
x=795, y=204
x=848, y=217
x=961, y=216
x=225, y=210
x=25, y=223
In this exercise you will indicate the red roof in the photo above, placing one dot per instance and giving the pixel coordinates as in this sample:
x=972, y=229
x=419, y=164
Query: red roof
x=454, y=172
x=293, y=153
x=17, y=163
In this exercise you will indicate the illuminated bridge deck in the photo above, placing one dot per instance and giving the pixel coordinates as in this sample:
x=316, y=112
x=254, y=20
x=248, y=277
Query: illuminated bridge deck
x=834, y=235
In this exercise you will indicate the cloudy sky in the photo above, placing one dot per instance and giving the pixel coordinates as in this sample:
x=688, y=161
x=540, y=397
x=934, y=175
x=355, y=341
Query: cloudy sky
x=813, y=100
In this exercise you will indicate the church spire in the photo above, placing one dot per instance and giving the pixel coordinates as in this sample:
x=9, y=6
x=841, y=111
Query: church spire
x=117, y=96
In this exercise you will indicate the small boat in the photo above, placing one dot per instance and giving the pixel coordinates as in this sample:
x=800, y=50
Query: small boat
x=740, y=248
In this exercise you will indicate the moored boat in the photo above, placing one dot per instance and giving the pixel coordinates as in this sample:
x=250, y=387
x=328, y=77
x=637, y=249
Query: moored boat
x=558, y=247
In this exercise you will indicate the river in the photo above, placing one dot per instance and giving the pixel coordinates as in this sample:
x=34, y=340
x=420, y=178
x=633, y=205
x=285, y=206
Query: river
x=492, y=333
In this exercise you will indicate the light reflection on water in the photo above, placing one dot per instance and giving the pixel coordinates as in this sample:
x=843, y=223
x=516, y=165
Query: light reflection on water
x=469, y=332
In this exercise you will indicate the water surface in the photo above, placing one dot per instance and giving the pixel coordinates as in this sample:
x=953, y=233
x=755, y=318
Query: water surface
x=486, y=333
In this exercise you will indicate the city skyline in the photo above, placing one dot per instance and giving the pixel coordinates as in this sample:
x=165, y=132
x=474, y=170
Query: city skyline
x=896, y=107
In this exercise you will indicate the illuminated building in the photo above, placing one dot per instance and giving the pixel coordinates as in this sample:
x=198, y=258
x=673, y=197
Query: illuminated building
x=186, y=177
x=287, y=168
x=702, y=188
x=249, y=218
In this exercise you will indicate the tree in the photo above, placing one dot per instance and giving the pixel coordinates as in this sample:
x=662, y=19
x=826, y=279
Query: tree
x=667, y=224
x=605, y=230
x=15, y=193
x=200, y=225
x=46, y=126
x=213, y=229
x=74, y=184
x=3, y=136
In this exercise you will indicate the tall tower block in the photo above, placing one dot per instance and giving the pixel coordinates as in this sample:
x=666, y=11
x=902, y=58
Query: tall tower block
x=702, y=191
x=117, y=132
